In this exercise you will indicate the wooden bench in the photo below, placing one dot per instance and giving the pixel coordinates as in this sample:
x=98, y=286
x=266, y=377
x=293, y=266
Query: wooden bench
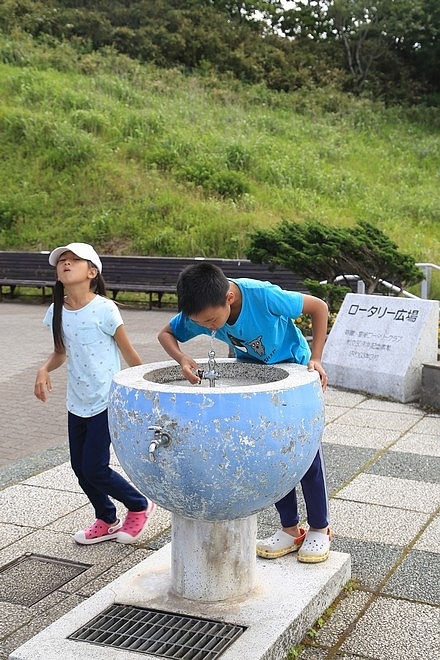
x=26, y=269
x=154, y=276
x=158, y=275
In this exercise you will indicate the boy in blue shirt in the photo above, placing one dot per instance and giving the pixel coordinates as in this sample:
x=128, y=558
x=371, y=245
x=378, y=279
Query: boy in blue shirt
x=256, y=319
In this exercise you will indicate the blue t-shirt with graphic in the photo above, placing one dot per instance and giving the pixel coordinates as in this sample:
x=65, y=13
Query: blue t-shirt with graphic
x=264, y=330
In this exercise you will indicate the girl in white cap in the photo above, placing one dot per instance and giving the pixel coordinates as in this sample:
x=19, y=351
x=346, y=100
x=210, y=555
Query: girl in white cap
x=88, y=330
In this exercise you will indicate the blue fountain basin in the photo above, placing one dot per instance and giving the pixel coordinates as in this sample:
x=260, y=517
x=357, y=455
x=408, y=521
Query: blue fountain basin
x=234, y=448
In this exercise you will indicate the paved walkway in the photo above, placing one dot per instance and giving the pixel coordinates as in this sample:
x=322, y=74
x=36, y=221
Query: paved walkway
x=383, y=466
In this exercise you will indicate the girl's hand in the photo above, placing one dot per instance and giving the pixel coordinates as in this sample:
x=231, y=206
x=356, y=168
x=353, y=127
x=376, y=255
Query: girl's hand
x=42, y=384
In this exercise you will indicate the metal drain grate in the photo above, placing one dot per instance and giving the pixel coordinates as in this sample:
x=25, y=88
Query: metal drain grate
x=162, y=634
x=31, y=578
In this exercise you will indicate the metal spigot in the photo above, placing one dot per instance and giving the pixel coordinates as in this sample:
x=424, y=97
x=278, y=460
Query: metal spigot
x=211, y=374
x=161, y=438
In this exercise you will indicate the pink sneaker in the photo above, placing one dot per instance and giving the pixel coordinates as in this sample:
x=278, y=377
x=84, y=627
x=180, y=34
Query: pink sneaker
x=99, y=531
x=135, y=524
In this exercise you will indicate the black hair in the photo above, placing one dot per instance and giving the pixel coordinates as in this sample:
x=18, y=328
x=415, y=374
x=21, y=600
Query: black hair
x=97, y=285
x=200, y=286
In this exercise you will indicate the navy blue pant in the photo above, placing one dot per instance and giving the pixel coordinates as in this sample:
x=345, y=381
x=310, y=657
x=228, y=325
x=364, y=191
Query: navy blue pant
x=89, y=443
x=315, y=496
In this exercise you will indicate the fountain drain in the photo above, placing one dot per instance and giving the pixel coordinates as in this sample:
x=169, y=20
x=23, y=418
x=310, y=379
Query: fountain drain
x=157, y=633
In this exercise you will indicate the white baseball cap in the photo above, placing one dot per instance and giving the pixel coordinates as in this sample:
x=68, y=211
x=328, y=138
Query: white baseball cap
x=82, y=250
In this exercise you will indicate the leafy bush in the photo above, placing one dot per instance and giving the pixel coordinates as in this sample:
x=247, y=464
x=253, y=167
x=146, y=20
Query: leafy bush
x=325, y=253
x=228, y=184
x=238, y=157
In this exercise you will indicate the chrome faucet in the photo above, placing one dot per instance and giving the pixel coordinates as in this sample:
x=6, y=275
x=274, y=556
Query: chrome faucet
x=211, y=373
x=161, y=438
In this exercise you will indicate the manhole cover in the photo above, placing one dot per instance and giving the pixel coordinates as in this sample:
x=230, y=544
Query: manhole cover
x=30, y=578
x=163, y=634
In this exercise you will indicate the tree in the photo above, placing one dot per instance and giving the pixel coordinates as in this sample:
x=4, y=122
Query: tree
x=388, y=39
x=321, y=252
x=369, y=31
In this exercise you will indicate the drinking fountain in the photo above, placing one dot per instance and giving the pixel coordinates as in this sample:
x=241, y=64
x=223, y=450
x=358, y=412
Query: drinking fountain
x=214, y=455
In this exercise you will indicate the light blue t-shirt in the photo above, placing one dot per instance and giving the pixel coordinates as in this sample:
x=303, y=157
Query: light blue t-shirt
x=264, y=330
x=92, y=354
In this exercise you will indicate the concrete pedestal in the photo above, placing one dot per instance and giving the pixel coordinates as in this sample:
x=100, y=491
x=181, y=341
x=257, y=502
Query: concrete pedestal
x=287, y=600
x=213, y=561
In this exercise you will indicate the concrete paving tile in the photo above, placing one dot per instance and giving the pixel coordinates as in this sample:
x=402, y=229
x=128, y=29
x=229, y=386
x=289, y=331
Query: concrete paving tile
x=21, y=469
x=341, y=462
x=35, y=625
x=418, y=443
x=312, y=653
x=417, y=578
x=46, y=505
x=12, y=616
x=346, y=611
x=62, y=546
x=370, y=562
x=385, y=405
x=159, y=541
x=379, y=419
x=392, y=492
x=31, y=426
x=51, y=601
x=334, y=412
x=380, y=524
x=429, y=425
x=342, y=434
x=91, y=586
x=317, y=653
x=100, y=567
x=394, y=629
x=11, y=533
x=336, y=397
x=71, y=522
x=408, y=466
x=430, y=539
x=61, y=477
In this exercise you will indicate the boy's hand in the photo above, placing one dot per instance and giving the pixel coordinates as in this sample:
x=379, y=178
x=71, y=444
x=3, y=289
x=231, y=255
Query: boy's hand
x=189, y=370
x=42, y=384
x=316, y=365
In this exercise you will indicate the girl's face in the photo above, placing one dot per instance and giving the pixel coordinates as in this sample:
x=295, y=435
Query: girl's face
x=72, y=269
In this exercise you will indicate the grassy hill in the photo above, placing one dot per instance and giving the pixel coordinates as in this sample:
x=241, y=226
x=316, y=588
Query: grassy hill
x=139, y=160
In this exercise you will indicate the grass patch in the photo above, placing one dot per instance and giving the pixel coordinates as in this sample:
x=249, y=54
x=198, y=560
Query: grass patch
x=139, y=160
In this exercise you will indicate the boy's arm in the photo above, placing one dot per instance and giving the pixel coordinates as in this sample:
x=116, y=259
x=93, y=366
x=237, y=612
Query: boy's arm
x=128, y=352
x=42, y=381
x=170, y=344
x=318, y=311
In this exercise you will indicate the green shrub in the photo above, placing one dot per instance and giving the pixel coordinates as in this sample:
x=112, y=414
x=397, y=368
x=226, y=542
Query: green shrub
x=228, y=184
x=238, y=157
x=66, y=146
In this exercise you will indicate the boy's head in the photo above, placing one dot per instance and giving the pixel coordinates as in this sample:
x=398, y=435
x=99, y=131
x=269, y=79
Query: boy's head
x=201, y=286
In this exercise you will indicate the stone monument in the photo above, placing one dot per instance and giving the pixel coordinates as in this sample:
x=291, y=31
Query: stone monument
x=379, y=344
